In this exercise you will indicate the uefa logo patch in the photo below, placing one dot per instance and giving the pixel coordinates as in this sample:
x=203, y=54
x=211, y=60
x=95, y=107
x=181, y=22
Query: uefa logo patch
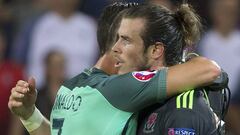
x=181, y=131
x=144, y=76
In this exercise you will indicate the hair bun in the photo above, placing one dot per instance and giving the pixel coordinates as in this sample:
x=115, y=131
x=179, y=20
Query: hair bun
x=190, y=23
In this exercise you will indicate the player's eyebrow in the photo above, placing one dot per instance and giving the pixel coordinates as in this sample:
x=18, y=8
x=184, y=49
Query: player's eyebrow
x=125, y=37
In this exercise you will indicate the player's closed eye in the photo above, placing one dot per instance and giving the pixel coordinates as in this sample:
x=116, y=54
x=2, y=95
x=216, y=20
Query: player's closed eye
x=125, y=40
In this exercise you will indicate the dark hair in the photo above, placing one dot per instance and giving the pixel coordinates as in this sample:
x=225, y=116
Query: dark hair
x=50, y=54
x=106, y=19
x=175, y=30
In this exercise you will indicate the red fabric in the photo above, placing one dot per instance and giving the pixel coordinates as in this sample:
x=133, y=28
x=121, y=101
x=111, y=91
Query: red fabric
x=10, y=73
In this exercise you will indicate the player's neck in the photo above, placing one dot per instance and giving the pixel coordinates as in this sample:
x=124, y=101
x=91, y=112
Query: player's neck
x=157, y=64
x=106, y=63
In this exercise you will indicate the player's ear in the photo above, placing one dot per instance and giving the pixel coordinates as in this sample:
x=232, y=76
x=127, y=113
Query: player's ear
x=157, y=50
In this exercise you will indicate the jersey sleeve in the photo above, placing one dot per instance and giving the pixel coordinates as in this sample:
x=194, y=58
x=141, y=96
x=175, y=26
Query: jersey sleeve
x=185, y=121
x=136, y=90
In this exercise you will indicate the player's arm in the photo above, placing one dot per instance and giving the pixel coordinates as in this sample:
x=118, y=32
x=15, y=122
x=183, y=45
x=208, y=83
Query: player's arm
x=197, y=72
x=22, y=104
x=140, y=89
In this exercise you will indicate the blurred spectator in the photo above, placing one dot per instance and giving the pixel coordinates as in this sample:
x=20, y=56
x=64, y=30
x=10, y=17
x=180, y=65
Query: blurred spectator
x=26, y=14
x=54, y=70
x=222, y=42
x=71, y=32
x=54, y=64
x=10, y=73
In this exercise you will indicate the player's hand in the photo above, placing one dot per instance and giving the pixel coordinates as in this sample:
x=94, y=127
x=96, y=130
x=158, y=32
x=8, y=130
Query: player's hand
x=22, y=99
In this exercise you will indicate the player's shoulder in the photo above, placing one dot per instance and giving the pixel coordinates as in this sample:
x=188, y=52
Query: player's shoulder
x=87, y=77
x=192, y=100
x=189, y=103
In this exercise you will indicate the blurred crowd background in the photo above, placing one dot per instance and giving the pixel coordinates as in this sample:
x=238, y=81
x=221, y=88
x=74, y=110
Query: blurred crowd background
x=54, y=40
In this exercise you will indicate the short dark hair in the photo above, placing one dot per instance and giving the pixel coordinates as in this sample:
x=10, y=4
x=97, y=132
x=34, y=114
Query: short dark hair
x=175, y=30
x=105, y=21
x=48, y=56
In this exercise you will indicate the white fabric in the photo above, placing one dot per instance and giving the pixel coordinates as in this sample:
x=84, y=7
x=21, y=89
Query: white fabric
x=225, y=51
x=34, y=121
x=75, y=37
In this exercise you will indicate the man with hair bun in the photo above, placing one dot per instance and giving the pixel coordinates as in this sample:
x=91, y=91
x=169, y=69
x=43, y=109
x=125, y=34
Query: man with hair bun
x=188, y=113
